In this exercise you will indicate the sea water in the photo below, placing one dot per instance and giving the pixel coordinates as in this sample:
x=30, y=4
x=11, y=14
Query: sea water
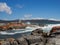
x=14, y=33
x=18, y=33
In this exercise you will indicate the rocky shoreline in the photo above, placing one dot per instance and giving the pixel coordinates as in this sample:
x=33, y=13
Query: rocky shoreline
x=35, y=38
x=26, y=40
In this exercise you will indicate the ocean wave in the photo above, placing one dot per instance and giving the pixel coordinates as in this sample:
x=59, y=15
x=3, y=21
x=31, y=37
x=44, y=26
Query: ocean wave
x=6, y=33
x=14, y=32
x=28, y=29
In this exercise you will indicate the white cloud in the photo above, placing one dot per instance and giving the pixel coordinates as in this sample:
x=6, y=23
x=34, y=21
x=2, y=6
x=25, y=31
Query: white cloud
x=19, y=6
x=27, y=15
x=52, y=19
x=5, y=8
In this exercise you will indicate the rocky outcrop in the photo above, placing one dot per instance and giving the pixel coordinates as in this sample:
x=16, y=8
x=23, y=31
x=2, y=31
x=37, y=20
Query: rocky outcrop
x=11, y=26
x=12, y=41
x=37, y=32
x=4, y=42
x=32, y=39
x=21, y=41
x=25, y=40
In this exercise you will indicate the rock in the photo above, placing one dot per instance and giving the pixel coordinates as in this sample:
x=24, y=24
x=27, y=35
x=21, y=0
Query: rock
x=12, y=41
x=57, y=36
x=50, y=41
x=33, y=39
x=53, y=41
x=37, y=32
x=34, y=44
x=22, y=41
x=57, y=41
x=49, y=44
x=4, y=43
x=37, y=43
x=42, y=43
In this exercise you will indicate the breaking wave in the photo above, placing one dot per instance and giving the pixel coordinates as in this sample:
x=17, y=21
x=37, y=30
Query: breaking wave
x=28, y=29
x=12, y=32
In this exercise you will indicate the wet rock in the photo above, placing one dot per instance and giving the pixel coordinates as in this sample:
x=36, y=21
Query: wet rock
x=22, y=41
x=37, y=32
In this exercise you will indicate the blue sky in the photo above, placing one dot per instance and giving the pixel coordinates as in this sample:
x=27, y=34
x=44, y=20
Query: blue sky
x=17, y=9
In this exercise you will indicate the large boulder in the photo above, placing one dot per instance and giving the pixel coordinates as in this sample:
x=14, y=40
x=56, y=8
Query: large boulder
x=37, y=43
x=2, y=42
x=33, y=39
x=37, y=32
x=50, y=41
x=12, y=41
x=21, y=41
x=6, y=43
x=57, y=40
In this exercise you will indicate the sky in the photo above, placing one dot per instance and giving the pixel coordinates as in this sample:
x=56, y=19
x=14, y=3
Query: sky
x=19, y=9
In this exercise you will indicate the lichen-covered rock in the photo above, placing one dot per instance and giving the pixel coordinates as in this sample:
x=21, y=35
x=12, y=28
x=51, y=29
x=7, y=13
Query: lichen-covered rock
x=21, y=41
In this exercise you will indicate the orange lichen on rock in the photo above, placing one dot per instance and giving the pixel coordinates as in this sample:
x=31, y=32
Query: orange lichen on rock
x=55, y=28
x=13, y=26
x=10, y=39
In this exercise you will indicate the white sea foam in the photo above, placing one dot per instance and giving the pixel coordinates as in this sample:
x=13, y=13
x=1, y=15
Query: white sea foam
x=45, y=29
x=16, y=31
x=6, y=33
x=49, y=27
